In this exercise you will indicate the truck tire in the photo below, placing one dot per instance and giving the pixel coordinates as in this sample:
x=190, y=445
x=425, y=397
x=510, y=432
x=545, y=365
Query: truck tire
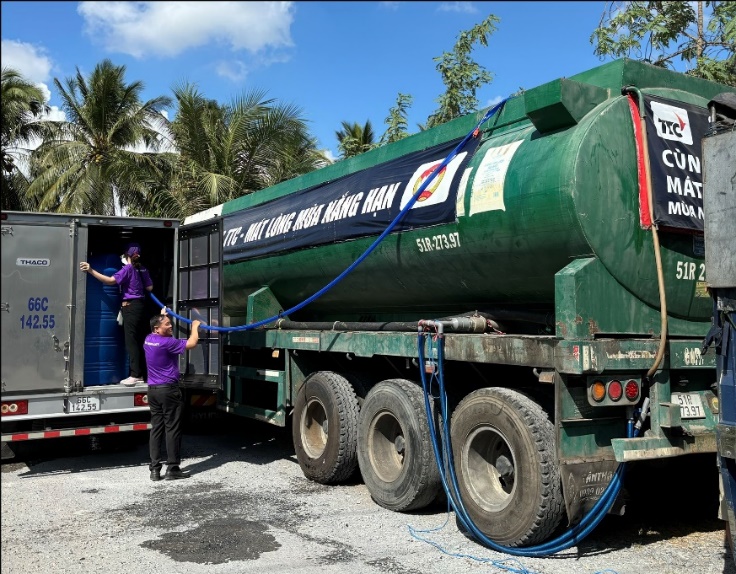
x=503, y=445
x=324, y=428
x=395, y=454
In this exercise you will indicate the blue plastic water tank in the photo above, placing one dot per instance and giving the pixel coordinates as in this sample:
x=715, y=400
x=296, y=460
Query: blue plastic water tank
x=105, y=357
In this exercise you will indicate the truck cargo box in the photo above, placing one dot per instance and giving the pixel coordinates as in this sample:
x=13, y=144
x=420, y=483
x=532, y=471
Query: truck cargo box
x=63, y=354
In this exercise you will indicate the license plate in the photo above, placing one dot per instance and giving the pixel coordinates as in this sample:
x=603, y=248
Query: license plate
x=83, y=404
x=691, y=405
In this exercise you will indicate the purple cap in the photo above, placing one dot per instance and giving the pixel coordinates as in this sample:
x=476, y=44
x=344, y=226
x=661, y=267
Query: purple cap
x=133, y=249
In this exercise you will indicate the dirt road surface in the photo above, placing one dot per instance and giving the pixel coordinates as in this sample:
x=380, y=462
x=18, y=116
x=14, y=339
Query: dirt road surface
x=71, y=506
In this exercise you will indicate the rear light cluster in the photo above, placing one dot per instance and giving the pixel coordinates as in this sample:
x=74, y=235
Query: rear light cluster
x=140, y=400
x=10, y=408
x=612, y=391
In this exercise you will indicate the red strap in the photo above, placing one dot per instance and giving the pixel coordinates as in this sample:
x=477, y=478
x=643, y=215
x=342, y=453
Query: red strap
x=645, y=219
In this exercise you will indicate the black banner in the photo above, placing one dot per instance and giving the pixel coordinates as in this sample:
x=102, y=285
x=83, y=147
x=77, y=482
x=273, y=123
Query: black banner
x=357, y=205
x=674, y=133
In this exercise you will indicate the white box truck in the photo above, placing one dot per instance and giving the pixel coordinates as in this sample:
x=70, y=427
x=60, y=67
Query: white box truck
x=63, y=352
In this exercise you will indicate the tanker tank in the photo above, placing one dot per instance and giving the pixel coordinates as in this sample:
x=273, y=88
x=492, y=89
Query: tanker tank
x=556, y=179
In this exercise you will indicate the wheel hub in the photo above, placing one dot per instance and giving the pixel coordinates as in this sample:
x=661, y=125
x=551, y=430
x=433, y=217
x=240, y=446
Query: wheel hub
x=489, y=469
x=386, y=445
x=314, y=428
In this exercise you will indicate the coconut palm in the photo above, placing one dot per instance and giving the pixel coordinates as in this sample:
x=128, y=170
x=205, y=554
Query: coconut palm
x=89, y=164
x=296, y=155
x=354, y=139
x=226, y=151
x=22, y=107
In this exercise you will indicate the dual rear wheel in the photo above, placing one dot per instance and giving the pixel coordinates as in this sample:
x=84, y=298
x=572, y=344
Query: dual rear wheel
x=502, y=441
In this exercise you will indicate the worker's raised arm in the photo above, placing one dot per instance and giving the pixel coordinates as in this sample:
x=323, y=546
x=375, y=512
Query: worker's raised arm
x=194, y=336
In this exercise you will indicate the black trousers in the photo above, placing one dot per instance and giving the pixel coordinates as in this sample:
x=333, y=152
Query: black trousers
x=167, y=408
x=136, y=326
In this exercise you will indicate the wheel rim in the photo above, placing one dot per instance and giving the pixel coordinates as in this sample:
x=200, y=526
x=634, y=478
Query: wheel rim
x=489, y=469
x=314, y=428
x=386, y=446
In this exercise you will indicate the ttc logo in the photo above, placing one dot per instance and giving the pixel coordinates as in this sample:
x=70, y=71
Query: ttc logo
x=672, y=123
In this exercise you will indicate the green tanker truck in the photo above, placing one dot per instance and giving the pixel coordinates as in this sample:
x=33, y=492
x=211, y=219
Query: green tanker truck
x=561, y=249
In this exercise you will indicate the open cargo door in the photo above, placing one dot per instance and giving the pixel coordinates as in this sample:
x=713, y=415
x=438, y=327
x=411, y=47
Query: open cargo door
x=200, y=268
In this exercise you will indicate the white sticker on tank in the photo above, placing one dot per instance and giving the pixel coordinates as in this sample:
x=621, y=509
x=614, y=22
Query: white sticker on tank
x=460, y=201
x=487, y=191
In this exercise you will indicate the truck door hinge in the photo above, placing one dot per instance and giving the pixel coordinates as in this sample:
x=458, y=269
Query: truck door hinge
x=5, y=307
x=6, y=230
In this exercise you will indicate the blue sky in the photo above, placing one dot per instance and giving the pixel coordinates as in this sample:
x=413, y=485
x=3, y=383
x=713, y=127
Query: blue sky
x=335, y=60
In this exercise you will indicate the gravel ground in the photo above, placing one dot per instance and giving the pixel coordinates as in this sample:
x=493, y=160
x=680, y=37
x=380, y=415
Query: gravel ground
x=248, y=508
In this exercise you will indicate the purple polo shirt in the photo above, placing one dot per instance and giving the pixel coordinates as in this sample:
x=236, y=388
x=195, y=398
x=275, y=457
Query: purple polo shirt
x=132, y=283
x=162, y=358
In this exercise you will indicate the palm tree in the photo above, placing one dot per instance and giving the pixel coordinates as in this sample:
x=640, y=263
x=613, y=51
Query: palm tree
x=230, y=150
x=22, y=106
x=354, y=139
x=296, y=155
x=88, y=162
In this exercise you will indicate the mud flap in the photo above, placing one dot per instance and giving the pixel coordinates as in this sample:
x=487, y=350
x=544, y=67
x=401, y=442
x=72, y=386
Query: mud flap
x=6, y=453
x=583, y=483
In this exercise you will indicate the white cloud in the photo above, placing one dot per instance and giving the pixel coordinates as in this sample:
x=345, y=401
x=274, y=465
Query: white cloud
x=234, y=70
x=55, y=115
x=462, y=7
x=167, y=29
x=494, y=101
x=31, y=61
x=329, y=155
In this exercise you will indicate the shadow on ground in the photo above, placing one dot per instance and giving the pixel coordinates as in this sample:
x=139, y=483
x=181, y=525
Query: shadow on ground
x=216, y=441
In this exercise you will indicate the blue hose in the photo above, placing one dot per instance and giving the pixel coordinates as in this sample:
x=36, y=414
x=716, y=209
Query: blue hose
x=568, y=539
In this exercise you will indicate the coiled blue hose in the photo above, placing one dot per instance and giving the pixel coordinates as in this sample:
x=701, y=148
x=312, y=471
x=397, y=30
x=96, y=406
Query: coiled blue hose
x=568, y=539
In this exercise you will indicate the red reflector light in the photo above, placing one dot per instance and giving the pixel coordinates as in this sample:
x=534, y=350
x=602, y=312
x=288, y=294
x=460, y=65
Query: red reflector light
x=4, y=216
x=615, y=390
x=167, y=224
x=10, y=408
x=632, y=390
x=140, y=400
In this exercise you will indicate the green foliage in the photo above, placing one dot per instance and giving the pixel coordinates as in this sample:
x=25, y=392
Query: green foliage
x=700, y=35
x=226, y=151
x=397, y=120
x=461, y=75
x=87, y=164
x=22, y=106
x=354, y=139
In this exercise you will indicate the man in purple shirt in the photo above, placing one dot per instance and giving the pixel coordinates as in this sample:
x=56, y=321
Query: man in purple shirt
x=165, y=398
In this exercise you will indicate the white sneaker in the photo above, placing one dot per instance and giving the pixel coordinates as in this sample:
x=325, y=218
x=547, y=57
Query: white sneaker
x=131, y=381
